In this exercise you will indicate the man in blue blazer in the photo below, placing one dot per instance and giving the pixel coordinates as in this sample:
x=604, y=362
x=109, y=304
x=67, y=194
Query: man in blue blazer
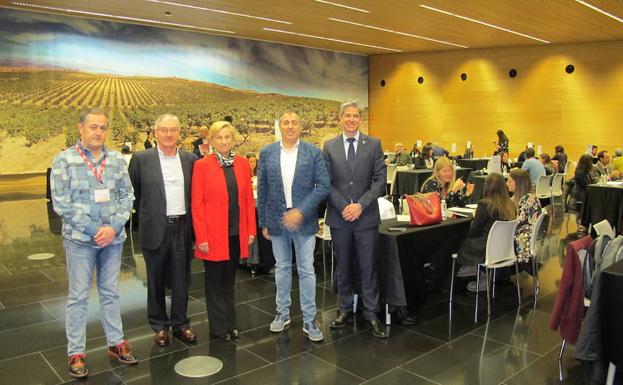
x=292, y=181
x=358, y=178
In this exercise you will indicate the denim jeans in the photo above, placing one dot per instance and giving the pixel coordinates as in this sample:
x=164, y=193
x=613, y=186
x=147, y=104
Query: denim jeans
x=81, y=261
x=282, y=249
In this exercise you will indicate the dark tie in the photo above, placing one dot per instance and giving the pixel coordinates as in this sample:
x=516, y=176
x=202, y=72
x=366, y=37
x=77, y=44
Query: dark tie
x=350, y=157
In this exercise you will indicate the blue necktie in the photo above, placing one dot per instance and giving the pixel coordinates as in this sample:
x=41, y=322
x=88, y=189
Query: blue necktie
x=350, y=157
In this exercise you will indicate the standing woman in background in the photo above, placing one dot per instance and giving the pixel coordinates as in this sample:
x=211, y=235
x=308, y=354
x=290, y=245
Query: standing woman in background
x=224, y=222
x=583, y=177
x=252, y=158
x=502, y=143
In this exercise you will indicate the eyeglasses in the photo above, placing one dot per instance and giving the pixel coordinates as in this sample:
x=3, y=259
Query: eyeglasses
x=168, y=130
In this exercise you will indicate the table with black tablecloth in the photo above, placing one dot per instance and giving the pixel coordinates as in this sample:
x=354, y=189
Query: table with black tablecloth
x=402, y=256
x=612, y=313
x=475, y=164
x=604, y=201
x=411, y=181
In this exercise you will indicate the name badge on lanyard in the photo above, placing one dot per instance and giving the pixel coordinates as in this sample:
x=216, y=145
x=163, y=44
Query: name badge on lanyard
x=102, y=194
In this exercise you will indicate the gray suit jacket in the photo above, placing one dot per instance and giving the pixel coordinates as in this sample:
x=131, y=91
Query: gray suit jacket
x=363, y=185
x=150, y=204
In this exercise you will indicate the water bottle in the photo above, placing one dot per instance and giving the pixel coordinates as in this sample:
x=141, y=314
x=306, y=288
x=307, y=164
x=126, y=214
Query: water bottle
x=443, y=209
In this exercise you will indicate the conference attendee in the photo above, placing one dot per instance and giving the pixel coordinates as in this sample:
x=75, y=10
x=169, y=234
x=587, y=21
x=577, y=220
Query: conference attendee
x=401, y=158
x=224, y=222
x=533, y=166
x=358, y=178
x=603, y=169
x=293, y=180
x=438, y=150
x=522, y=156
x=584, y=175
x=428, y=156
x=201, y=146
x=617, y=161
x=495, y=205
x=560, y=157
x=550, y=168
x=528, y=210
x=252, y=159
x=415, y=151
x=126, y=152
x=162, y=177
x=92, y=193
x=595, y=153
x=469, y=153
x=149, y=142
x=501, y=144
x=443, y=182
x=505, y=163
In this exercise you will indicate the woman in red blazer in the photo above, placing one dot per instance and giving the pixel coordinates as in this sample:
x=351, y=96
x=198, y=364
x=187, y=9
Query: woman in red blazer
x=224, y=222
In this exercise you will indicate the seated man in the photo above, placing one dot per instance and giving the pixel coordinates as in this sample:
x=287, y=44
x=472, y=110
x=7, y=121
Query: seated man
x=401, y=158
x=533, y=166
x=602, y=167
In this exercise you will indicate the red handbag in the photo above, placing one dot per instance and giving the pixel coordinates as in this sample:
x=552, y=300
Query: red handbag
x=424, y=209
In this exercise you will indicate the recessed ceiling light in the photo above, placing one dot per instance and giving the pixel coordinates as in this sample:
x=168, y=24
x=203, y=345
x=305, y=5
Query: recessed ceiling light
x=330, y=39
x=483, y=23
x=343, y=6
x=396, y=32
x=217, y=11
x=98, y=14
x=584, y=3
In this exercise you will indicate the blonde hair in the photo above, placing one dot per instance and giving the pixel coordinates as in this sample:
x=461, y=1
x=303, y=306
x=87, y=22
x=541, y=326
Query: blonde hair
x=216, y=127
x=439, y=164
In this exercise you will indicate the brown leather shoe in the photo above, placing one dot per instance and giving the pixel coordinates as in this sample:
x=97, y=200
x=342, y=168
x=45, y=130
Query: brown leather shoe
x=122, y=353
x=78, y=366
x=162, y=338
x=186, y=335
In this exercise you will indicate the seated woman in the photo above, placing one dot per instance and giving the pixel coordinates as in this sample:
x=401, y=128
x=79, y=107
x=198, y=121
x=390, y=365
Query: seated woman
x=550, y=167
x=427, y=155
x=495, y=205
x=528, y=210
x=443, y=183
x=583, y=177
x=505, y=164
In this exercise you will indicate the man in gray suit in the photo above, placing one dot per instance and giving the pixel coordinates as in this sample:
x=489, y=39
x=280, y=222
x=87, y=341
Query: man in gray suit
x=358, y=177
x=161, y=177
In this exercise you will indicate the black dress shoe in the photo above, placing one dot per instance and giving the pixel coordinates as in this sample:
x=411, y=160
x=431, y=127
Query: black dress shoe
x=162, y=338
x=186, y=335
x=377, y=329
x=225, y=336
x=407, y=321
x=234, y=334
x=341, y=320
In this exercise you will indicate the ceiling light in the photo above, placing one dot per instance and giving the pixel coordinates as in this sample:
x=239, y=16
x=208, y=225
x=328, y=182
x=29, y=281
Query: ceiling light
x=217, y=11
x=483, y=23
x=98, y=14
x=330, y=39
x=600, y=10
x=396, y=32
x=343, y=6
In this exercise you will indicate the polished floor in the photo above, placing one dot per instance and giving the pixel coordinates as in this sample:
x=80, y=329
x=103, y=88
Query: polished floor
x=513, y=346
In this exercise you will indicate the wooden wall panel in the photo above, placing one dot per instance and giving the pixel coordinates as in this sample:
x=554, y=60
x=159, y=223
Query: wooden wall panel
x=543, y=104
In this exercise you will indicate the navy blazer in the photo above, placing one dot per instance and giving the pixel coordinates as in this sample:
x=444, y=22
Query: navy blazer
x=363, y=185
x=150, y=203
x=309, y=187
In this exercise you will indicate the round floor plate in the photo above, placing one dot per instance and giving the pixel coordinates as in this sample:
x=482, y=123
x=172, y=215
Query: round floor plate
x=198, y=366
x=40, y=256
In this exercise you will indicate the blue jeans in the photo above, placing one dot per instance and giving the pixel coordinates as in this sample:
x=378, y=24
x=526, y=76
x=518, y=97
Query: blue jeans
x=282, y=249
x=81, y=261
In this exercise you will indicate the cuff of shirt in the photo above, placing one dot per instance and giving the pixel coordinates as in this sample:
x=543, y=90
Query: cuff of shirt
x=117, y=227
x=92, y=229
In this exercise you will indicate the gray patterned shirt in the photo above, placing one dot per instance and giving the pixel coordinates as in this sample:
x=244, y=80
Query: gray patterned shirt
x=73, y=194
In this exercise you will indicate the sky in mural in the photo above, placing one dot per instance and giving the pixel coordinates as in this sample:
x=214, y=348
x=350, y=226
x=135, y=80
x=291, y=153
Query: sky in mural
x=59, y=42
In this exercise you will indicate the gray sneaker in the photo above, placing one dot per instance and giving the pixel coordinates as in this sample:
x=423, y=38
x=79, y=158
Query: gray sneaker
x=467, y=271
x=280, y=323
x=312, y=331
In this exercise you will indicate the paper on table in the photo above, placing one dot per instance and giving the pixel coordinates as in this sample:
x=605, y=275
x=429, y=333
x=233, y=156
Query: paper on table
x=472, y=205
x=403, y=218
x=462, y=210
x=615, y=183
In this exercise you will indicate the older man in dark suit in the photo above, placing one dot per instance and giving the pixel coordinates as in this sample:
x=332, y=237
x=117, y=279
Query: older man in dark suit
x=358, y=178
x=161, y=177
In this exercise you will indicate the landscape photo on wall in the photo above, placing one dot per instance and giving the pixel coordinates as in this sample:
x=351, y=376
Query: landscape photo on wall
x=52, y=67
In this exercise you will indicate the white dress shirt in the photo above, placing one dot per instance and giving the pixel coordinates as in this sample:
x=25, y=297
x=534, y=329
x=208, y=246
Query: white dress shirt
x=288, y=166
x=173, y=177
x=347, y=144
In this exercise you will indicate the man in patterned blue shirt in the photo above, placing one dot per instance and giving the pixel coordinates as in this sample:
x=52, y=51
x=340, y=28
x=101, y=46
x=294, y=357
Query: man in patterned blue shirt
x=92, y=193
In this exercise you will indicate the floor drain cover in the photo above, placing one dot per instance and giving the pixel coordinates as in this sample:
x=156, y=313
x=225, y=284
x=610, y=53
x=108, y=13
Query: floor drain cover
x=40, y=256
x=198, y=366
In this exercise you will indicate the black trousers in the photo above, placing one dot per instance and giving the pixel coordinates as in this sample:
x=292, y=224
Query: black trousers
x=219, y=286
x=168, y=265
x=350, y=243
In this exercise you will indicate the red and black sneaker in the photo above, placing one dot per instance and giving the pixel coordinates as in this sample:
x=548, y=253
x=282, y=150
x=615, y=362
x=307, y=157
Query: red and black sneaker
x=78, y=366
x=122, y=353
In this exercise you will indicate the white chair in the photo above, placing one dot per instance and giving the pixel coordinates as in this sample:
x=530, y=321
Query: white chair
x=543, y=185
x=391, y=173
x=534, y=249
x=556, y=190
x=324, y=234
x=500, y=252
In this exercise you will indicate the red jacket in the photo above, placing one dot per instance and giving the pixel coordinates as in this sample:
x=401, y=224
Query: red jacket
x=210, y=207
x=568, y=310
